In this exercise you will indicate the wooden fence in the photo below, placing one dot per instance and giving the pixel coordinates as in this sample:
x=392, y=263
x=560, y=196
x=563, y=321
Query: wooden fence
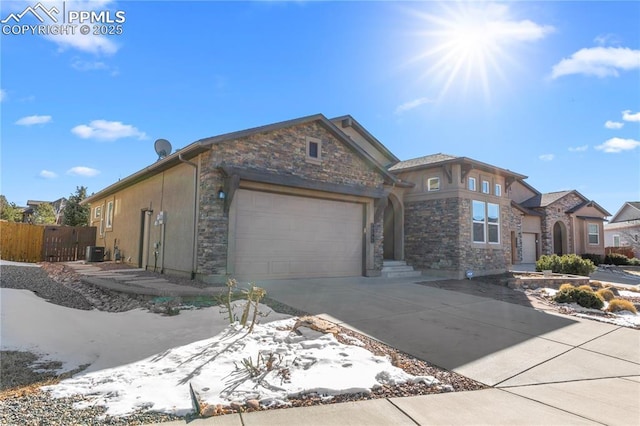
x=23, y=242
x=627, y=251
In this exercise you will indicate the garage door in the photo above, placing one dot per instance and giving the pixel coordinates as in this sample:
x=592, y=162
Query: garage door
x=284, y=236
x=528, y=248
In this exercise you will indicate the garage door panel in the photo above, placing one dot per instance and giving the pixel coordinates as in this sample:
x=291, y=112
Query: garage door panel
x=283, y=236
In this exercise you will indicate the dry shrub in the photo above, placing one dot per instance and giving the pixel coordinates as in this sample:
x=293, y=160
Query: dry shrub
x=617, y=305
x=585, y=287
x=605, y=294
x=566, y=287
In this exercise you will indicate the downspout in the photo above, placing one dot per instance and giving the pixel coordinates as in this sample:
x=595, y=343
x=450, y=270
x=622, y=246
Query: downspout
x=195, y=214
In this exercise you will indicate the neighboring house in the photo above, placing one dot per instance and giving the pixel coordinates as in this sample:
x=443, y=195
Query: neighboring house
x=314, y=197
x=623, y=230
x=58, y=208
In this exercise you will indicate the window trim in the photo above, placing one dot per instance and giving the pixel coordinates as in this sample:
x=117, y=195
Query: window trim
x=497, y=190
x=616, y=237
x=486, y=224
x=97, y=212
x=590, y=234
x=109, y=218
x=486, y=188
x=430, y=187
x=308, y=158
x=471, y=184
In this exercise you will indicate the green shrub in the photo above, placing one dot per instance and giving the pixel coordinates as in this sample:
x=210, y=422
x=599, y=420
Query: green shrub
x=581, y=296
x=617, y=305
x=634, y=261
x=616, y=259
x=605, y=294
x=595, y=258
x=566, y=264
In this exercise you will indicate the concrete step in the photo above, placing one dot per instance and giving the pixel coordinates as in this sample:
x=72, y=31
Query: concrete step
x=393, y=263
x=401, y=274
x=398, y=269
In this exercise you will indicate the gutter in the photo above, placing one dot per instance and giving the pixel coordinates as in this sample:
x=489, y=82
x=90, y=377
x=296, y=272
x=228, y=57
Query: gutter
x=195, y=212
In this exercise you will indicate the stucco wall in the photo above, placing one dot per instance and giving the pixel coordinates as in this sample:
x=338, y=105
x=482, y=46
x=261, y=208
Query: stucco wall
x=171, y=191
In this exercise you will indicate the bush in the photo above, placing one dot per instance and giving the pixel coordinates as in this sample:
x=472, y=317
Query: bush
x=605, y=294
x=634, y=261
x=566, y=287
x=617, y=305
x=595, y=258
x=581, y=296
x=566, y=264
x=585, y=287
x=616, y=259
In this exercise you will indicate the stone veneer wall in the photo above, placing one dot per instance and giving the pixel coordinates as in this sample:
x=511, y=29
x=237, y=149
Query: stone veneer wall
x=431, y=234
x=280, y=151
x=552, y=215
x=515, y=225
x=484, y=258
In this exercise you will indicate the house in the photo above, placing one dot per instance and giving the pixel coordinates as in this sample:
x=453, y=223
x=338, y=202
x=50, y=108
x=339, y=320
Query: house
x=623, y=230
x=319, y=197
x=58, y=208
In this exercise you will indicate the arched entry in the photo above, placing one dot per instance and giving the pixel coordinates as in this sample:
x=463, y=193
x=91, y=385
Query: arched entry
x=392, y=231
x=559, y=238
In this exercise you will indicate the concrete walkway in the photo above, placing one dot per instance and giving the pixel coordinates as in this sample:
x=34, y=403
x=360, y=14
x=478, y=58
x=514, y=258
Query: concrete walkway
x=544, y=368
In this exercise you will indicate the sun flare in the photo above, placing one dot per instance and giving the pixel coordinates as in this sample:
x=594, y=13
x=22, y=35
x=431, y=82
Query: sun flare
x=471, y=45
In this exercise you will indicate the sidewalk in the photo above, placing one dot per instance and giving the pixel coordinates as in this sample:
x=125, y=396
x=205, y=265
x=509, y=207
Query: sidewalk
x=545, y=368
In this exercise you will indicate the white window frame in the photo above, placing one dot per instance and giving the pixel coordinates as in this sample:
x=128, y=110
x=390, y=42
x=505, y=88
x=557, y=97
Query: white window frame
x=616, y=240
x=485, y=221
x=590, y=233
x=498, y=190
x=308, y=142
x=109, y=219
x=471, y=185
x=97, y=212
x=482, y=221
x=485, y=186
x=433, y=184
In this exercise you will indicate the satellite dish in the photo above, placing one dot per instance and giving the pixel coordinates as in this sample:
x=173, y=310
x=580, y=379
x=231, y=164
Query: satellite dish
x=163, y=148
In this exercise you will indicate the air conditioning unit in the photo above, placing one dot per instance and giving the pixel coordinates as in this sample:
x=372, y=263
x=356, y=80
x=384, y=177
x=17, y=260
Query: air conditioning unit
x=94, y=254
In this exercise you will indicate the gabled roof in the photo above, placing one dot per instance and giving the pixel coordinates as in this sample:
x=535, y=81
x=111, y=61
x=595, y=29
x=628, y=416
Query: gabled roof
x=629, y=211
x=525, y=210
x=545, y=200
x=349, y=121
x=203, y=145
x=442, y=159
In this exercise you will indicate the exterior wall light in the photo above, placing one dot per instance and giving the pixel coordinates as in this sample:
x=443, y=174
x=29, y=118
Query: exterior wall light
x=221, y=194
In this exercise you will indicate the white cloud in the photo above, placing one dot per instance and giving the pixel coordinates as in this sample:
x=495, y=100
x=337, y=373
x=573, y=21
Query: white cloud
x=598, y=61
x=107, y=130
x=579, y=148
x=83, y=171
x=3, y=95
x=547, y=157
x=604, y=39
x=412, y=105
x=613, y=124
x=616, y=145
x=34, y=119
x=98, y=45
x=628, y=116
x=520, y=30
x=48, y=175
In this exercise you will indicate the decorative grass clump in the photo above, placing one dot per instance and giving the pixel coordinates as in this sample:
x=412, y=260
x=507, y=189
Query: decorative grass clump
x=596, y=284
x=617, y=305
x=585, y=287
x=566, y=287
x=581, y=296
x=605, y=294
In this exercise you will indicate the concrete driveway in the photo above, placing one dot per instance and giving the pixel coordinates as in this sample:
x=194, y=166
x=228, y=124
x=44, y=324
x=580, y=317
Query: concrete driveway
x=582, y=367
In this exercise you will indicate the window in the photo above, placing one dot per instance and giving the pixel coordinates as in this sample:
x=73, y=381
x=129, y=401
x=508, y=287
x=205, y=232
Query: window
x=97, y=212
x=314, y=150
x=594, y=235
x=110, y=214
x=433, y=184
x=616, y=240
x=472, y=184
x=479, y=219
x=498, y=190
x=493, y=223
x=486, y=222
x=485, y=186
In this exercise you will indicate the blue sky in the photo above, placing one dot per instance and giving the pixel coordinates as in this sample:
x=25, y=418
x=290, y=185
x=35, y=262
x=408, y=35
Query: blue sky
x=550, y=90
